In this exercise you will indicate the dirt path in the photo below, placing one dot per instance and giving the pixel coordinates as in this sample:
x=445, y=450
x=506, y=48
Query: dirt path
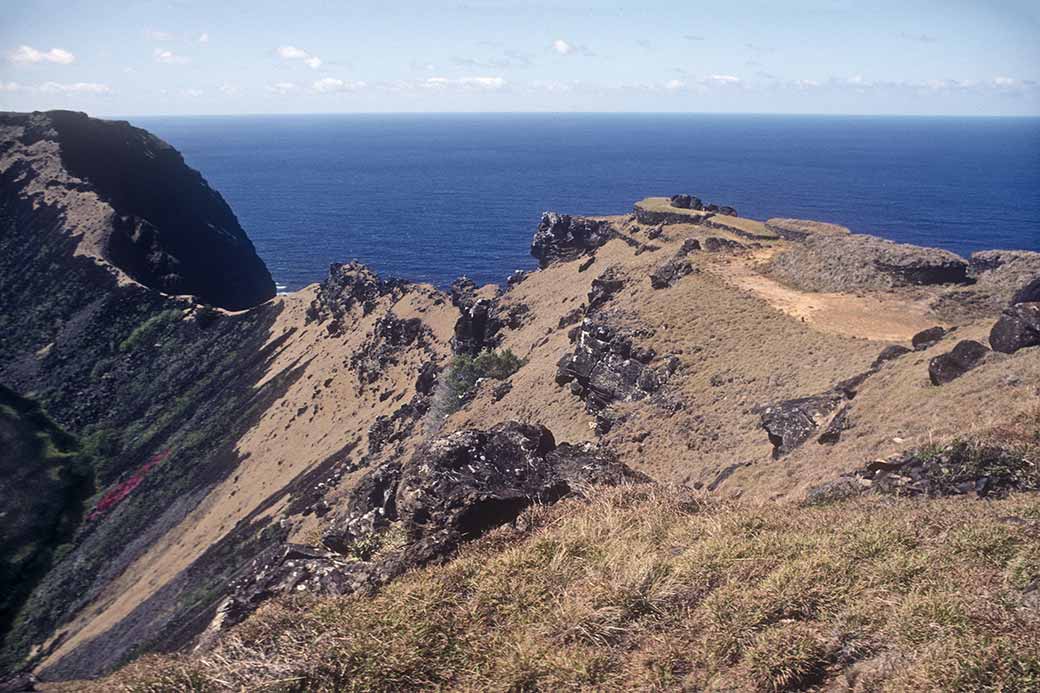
x=883, y=318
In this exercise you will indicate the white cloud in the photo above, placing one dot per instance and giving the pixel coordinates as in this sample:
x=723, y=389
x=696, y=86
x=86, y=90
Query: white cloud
x=28, y=55
x=562, y=47
x=674, y=84
x=483, y=82
x=806, y=83
x=291, y=52
x=203, y=38
x=722, y=79
x=10, y=86
x=465, y=82
x=192, y=93
x=158, y=35
x=169, y=57
x=76, y=88
x=281, y=87
x=331, y=84
x=1006, y=82
x=553, y=86
x=294, y=53
x=228, y=89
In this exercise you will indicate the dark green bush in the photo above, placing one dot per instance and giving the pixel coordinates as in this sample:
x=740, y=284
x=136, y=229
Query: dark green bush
x=466, y=370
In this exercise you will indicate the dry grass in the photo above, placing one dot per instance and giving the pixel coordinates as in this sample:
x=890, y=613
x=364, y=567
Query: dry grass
x=645, y=588
x=664, y=204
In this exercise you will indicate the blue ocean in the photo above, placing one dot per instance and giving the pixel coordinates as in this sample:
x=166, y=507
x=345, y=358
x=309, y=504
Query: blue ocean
x=431, y=197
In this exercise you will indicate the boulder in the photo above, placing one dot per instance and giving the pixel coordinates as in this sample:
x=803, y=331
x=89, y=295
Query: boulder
x=561, y=237
x=890, y=353
x=927, y=338
x=1030, y=293
x=604, y=287
x=688, y=246
x=400, y=516
x=965, y=356
x=1017, y=328
x=715, y=244
x=721, y=209
x=605, y=368
x=790, y=423
x=686, y=202
x=676, y=267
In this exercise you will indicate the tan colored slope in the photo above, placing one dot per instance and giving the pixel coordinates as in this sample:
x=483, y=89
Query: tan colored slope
x=324, y=411
x=744, y=341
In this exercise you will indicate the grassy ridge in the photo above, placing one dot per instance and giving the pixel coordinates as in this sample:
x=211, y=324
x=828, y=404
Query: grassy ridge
x=650, y=588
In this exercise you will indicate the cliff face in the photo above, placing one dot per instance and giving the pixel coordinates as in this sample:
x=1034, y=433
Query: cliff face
x=154, y=218
x=315, y=442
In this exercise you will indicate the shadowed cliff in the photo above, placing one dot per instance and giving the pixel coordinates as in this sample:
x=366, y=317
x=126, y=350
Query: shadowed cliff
x=168, y=230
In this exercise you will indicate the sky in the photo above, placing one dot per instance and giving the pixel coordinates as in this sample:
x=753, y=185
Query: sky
x=223, y=57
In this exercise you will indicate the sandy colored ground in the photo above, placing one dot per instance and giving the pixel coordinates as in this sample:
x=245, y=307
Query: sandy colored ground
x=879, y=316
x=325, y=410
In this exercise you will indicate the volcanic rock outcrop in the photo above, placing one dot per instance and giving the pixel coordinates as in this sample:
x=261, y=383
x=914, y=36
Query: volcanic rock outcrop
x=562, y=237
x=478, y=324
x=398, y=516
x=952, y=469
x=605, y=367
x=345, y=286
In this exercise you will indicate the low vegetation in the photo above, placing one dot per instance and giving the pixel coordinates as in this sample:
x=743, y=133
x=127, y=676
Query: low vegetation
x=44, y=478
x=653, y=588
x=149, y=328
x=466, y=371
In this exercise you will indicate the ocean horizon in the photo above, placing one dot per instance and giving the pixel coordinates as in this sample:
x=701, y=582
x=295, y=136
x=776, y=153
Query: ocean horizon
x=430, y=197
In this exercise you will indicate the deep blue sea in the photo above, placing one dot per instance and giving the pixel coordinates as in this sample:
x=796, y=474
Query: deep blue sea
x=430, y=197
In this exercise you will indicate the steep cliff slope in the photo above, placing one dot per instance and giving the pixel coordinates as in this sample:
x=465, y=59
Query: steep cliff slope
x=123, y=197
x=324, y=441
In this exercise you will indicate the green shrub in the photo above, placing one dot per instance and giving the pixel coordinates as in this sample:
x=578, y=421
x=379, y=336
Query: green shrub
x=466, y=370
x=148, y=327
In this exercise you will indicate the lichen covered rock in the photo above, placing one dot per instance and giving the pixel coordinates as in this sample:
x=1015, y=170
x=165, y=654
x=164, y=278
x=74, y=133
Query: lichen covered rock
x=1017, y=328
x=562, y=237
